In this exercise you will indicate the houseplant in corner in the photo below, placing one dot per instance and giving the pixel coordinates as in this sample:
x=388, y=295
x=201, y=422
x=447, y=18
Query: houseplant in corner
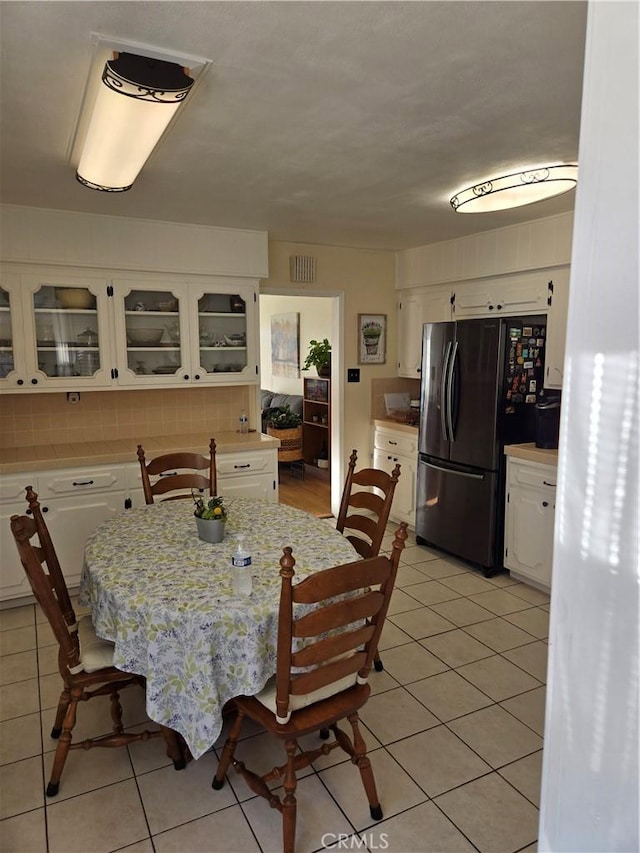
x=210, y=516
x=319, y=356
x=286, y=425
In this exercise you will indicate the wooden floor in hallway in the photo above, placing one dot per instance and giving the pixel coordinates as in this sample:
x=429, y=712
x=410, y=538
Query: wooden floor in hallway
x=311, y=494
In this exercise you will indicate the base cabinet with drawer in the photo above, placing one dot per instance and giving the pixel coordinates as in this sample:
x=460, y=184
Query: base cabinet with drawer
x=75, y=501
x=393, y=447
x=530, y=504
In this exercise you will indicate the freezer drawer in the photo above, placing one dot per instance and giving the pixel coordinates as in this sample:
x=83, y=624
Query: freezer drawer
x=456, y=511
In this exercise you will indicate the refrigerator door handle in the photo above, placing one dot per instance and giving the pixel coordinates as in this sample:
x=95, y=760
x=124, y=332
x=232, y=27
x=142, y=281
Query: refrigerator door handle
x=449, y=403
x=443, y=397
x=453, y=471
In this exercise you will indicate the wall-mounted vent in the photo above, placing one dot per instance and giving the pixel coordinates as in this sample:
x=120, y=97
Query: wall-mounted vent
x=302, y=268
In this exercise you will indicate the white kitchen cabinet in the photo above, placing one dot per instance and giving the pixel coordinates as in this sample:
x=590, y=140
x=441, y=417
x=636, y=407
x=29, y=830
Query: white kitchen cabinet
x=393, y=447
x=170, y=332
x=509, y=296
x=56, y=331
x=558, y=309
x=13, y=580
x=416, y=307
x=73, y=502
x=67, y=331
x=249, y=474
x=529, y=521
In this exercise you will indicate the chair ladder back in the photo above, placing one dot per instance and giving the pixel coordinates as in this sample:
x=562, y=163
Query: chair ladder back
x=51, y=558
x=378, y=507
x=168, y=463
x=24, y=529
x=353, y=624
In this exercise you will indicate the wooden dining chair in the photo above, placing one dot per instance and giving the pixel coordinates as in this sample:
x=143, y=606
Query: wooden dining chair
x=371, y=514
x=84, y=660
x=328, y=629
x=167, y=468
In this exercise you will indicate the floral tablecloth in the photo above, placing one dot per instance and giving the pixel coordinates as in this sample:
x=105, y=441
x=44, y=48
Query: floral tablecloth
x=164, y=598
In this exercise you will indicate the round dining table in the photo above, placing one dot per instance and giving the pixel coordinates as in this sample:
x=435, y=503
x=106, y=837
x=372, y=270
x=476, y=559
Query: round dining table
x=164, y=598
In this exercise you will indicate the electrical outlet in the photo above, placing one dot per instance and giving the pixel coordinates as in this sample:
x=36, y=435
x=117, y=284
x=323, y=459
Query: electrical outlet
x=73, y=396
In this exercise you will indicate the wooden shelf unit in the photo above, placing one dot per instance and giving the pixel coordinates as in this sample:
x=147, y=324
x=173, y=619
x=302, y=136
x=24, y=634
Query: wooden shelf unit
x=316, y=419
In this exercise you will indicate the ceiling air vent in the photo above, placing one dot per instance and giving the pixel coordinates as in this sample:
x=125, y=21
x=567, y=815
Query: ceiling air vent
x=302, y=268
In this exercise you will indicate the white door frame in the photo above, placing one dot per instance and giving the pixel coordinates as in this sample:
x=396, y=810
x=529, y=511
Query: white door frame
x=337, y=378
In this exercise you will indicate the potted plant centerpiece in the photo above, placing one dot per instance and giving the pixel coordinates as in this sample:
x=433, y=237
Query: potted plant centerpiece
x=286, y=425
x=210, y=516
x=319, y=356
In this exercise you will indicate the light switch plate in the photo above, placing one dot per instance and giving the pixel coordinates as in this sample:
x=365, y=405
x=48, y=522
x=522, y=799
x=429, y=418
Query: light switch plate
x=353, y=374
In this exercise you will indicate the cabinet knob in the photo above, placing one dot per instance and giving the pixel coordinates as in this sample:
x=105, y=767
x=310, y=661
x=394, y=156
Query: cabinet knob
x=545, y=503
x=490, y=307
x=197, y=376
x=499, y=307
x=20, y=382
x=34, y=381
x=45, y=509
x=186, y=376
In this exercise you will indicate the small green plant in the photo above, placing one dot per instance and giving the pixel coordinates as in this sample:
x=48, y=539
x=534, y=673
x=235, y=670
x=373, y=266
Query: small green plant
x=281, y=417
x=213, y=509
x=319, y=354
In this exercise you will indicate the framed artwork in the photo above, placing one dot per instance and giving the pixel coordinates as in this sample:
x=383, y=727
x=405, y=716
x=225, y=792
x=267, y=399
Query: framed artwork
x=372, y=338
x=285, y=345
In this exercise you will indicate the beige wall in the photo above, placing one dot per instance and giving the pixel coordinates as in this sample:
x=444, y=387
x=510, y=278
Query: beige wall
x=367, y=279
x=315, y=322
x=38, y=419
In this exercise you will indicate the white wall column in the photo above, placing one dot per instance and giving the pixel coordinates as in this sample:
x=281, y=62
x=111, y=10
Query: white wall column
x=590, y=793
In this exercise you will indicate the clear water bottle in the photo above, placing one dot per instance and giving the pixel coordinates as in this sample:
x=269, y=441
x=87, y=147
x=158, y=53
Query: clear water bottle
x=244, y=423
x=241, y=564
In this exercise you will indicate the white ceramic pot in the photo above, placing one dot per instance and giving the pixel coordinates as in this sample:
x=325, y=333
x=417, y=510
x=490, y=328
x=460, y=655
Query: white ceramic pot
x=210, y=529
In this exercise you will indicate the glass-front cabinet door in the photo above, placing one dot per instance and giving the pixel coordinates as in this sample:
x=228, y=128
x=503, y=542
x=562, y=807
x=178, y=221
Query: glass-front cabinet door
x=185, y=332
x=223, y=334
x=151, y=331
x=64, y=339
x=12, y=353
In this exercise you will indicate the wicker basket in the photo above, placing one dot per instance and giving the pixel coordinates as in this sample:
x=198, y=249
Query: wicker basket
x=290, y=443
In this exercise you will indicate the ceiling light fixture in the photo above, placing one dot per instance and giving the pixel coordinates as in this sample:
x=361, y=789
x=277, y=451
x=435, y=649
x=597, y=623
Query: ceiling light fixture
x=525, y=187
x=138, y=98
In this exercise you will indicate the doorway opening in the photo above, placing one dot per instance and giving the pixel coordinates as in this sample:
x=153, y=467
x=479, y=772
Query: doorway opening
x=319, y=315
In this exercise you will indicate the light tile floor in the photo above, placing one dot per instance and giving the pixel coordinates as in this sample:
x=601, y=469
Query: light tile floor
x=454, y=728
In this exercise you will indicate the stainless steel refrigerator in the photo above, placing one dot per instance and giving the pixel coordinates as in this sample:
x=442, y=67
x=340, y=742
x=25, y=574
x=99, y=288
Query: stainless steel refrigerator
x=480, y=382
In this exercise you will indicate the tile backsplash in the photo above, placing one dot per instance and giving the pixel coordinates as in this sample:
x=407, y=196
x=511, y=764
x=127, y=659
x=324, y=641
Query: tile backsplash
x=36, y=419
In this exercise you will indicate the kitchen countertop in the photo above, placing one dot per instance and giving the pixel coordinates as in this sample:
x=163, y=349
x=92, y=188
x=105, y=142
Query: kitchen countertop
x=397, y=425
x=531, y=453
x=15, y=460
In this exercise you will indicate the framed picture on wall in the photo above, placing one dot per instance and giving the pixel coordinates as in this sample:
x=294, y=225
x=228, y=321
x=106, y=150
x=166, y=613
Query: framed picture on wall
x=372, y=338
x=285, y=345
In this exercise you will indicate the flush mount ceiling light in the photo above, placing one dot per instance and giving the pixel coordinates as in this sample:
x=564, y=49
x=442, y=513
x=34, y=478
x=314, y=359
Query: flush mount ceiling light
x=524, y=187
x=132, y=94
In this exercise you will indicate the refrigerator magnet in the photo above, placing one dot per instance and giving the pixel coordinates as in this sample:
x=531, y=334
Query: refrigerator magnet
x=527, y=332
x=530, y=398
x=536, y=331
x=528, y=365
x=510, y=410
x=532, y=386
x=539, y=342
x=514, y=334
x=525, y=352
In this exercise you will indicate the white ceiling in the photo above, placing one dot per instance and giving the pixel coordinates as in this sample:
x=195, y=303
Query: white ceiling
x=346, y=123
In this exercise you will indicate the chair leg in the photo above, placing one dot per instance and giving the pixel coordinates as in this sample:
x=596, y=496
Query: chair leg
x=63, y=704
x=62, y=750
x=364, y=766
x=116, y=713
x=227, y=752
x=174, y=747
x=377, y=663
x=289, y=803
